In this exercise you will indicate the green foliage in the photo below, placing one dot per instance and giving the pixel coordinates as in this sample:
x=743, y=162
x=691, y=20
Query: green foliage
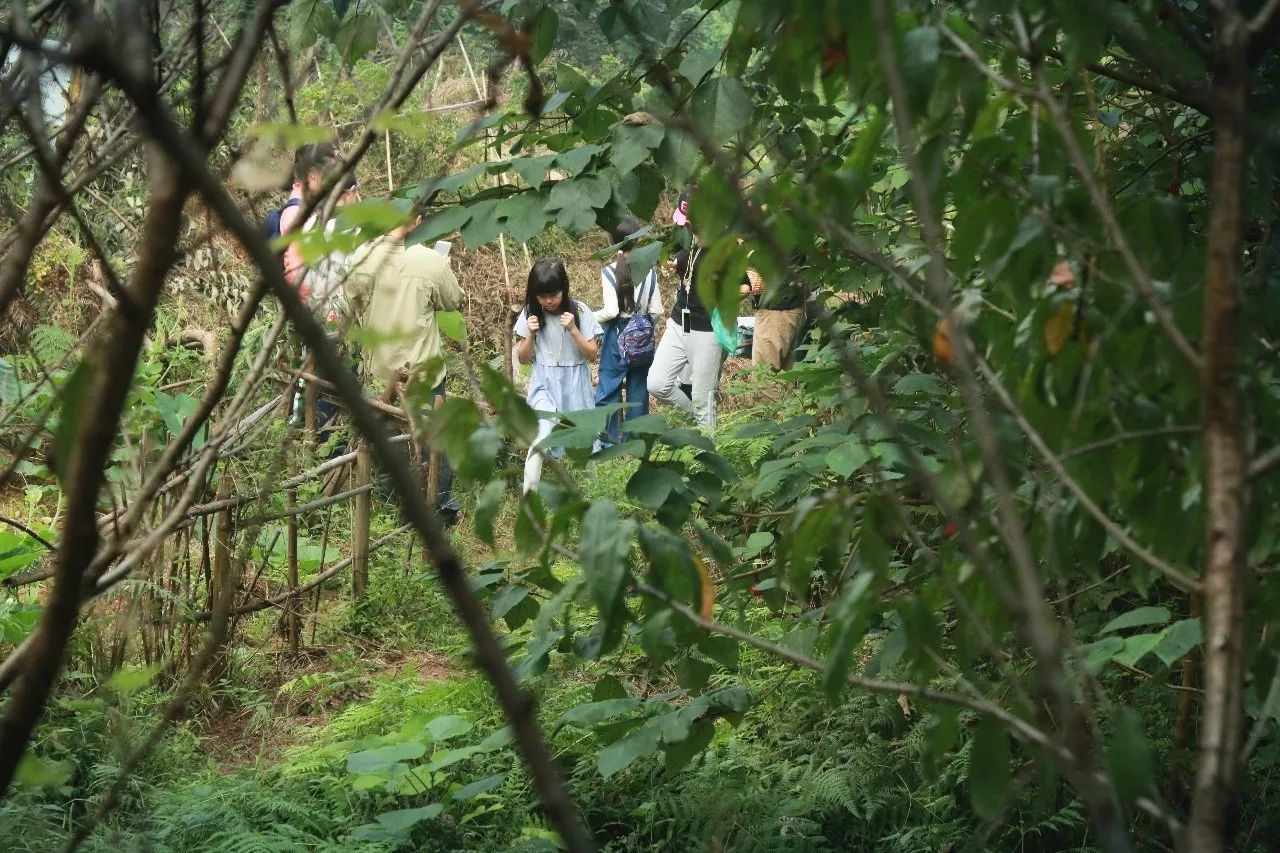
x=861, y=509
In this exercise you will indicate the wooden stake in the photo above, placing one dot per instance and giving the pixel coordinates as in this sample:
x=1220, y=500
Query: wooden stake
x=221, y=588
x=310, y=396
x=391, y=181
x=294, y=621
x=433, y=466
x=360, y=526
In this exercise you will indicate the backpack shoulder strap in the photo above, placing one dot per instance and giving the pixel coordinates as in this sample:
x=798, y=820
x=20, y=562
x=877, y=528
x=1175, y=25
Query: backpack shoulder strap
x=292, y=202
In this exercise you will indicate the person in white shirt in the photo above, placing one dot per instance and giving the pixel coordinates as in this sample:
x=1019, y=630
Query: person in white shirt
x=323, y=281
x=622, y=300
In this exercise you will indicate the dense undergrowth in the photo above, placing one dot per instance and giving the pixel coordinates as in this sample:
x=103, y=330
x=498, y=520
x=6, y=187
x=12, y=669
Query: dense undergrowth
x=382, y=737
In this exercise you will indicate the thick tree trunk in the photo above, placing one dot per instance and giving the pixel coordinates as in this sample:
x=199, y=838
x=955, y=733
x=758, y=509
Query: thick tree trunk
x=1222, y=722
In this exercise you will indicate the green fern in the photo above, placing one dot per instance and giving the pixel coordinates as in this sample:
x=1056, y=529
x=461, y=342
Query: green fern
x=51, y=343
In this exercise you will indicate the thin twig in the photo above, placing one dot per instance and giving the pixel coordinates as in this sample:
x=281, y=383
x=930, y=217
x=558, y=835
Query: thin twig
x=14, y=523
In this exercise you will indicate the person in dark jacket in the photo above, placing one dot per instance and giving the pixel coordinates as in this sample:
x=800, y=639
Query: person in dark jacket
x=689, y=340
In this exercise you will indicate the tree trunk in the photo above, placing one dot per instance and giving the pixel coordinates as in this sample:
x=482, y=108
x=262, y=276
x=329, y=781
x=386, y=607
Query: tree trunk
x=222, y=588
x=1221, y=726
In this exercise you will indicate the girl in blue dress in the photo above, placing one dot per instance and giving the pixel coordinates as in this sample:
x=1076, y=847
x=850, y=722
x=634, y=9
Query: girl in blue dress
x=559, y=336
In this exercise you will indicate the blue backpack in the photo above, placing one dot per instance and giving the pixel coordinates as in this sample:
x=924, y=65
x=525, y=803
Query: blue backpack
x=271, y=225
x=637, y=340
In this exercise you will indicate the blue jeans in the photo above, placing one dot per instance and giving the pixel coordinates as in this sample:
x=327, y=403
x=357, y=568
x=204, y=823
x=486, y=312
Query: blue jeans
x=326, y=411
x=615, y=377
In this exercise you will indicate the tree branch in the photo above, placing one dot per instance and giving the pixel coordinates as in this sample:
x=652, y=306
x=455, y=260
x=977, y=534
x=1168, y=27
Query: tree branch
x=18, y=525
x=108, y=379
x=516, y=704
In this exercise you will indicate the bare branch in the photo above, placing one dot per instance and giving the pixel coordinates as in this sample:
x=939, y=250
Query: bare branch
x=1031, y=613
x=1022, y=729
x=1102, y=203
x=1175, y=576
x=222, y=102
x=516, y=704
x=1265, y=463
x=320, y=578
x=109, y=378
x=18, y=525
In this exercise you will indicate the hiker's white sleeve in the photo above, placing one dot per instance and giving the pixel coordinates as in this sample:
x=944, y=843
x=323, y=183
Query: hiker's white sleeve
x=610, y=296
x=655, y=300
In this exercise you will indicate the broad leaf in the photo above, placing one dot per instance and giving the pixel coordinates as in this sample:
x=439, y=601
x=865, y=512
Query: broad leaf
x=606, y=541
x=1141, y=616
x=989, y=774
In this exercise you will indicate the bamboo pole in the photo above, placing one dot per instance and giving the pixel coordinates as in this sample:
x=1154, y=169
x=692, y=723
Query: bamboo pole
x=294, y=621
x=391, y=181
x=360, y=527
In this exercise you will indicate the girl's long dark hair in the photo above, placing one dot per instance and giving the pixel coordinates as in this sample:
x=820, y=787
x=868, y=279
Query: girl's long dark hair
x=548, y=276
x=621, y=268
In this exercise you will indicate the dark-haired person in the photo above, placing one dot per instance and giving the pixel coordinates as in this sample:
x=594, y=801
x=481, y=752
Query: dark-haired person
x=395, y=291
x=559, y=336
x=623, y=299
x=309, y=167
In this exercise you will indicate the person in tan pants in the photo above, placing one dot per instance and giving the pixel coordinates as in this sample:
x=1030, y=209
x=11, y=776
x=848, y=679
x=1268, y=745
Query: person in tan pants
x=779, y=318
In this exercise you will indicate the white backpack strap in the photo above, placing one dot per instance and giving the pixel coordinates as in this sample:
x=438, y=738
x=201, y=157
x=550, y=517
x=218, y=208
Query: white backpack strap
x=646, y=296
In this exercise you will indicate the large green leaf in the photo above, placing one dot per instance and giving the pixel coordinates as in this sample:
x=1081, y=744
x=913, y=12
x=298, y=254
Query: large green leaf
x=402, y=820
x=484, y=224
x=606, y=540
x=619, y=755
x=75, y=393
x=524, y=216
x=488, y=505
x=438, y=225
x=633, y=144
x=989, y=774
x=1141, y=616
x=448, y=726
x=697, y=64
x=1178, y=639
x=576, y=159
x=545, y=25
x=357, y=34
x=723, y=108
x=384, y=757
x=1097, y=654
x=533, y=169
x=650, y=486
x=453, y=324
x=310, y=20
x=595, y=712
x=1130, y=756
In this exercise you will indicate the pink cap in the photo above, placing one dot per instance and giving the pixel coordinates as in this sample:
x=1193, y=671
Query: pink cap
x=681, y=214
